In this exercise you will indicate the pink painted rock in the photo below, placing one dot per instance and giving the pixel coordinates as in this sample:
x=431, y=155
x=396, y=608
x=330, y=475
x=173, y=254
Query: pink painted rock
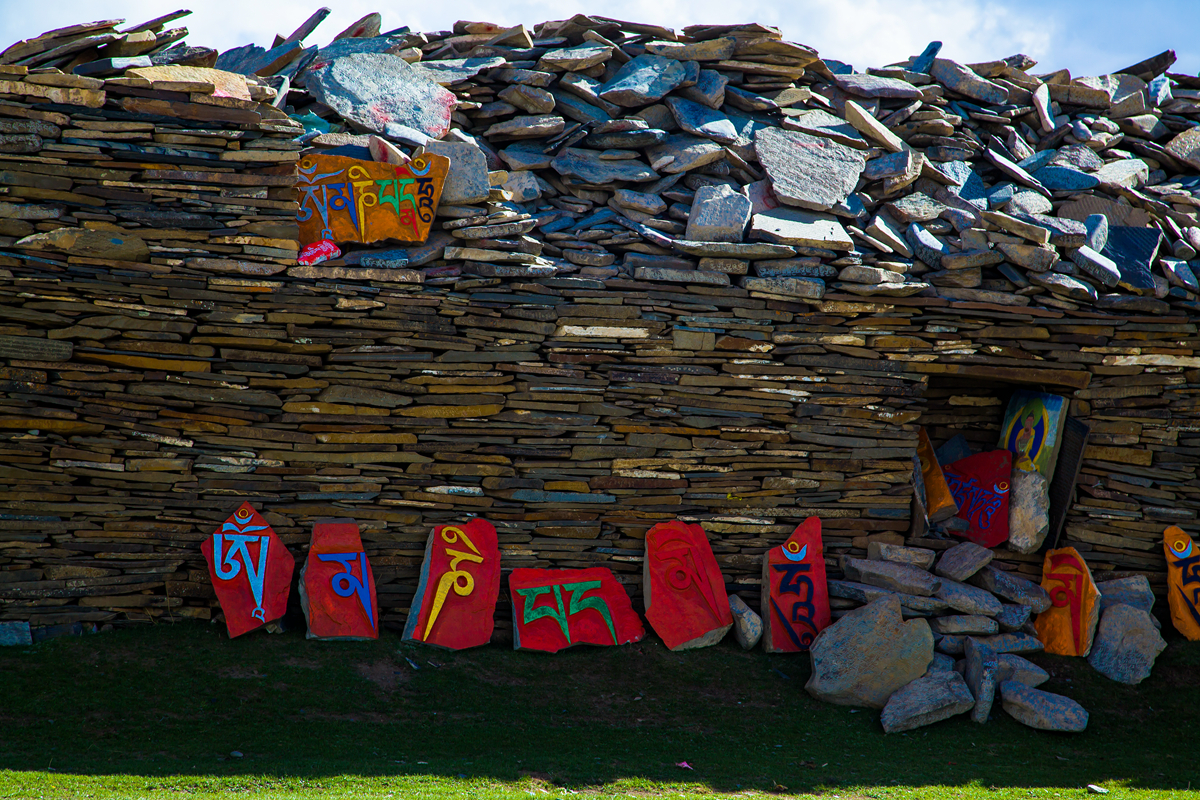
x=686, y=602
x=558, y=608
x=337, y=588
x=251, y=571
x=980, y=485
x=795, y=598
x=455, y=605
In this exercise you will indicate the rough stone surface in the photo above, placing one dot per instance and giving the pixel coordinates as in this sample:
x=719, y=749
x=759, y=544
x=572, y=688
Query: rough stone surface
x=964, y=81
x=808, y=171
x=794, y=226
x=964, y=625
x=968, y=599
x=1021, y=670
x=981, y=669
x=747, y=625
x=467, y=180
x=963, y=560
x=1012, y=587
x=1012, y=617
x=929, y=699
x=918, y=557
x=1042, y=710
x=719, y=214
x=1013, y=643
x=643, y=80
x=373, y=90
x=1131, y=591
x=1126, y=644
x=1028, y=510
x=868, y=654
x=890, y=575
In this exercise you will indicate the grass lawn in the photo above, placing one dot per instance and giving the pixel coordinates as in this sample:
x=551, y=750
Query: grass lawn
x=157, y=712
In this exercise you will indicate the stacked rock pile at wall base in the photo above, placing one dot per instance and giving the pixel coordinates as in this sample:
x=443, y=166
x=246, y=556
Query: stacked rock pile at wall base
x=591, y=370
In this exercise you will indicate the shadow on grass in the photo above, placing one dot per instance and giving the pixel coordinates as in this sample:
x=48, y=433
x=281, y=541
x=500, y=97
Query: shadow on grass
x=177, y=700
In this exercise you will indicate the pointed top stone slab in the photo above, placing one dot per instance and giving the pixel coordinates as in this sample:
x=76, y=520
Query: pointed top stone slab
x=808, y=171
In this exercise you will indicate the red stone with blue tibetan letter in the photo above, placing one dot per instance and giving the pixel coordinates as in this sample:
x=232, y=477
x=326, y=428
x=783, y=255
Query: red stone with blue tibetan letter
x=337, y=586
x=251, y=571
x=980, y=485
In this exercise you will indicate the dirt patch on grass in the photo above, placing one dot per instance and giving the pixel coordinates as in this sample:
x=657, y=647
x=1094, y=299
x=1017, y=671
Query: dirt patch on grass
x=384, y=673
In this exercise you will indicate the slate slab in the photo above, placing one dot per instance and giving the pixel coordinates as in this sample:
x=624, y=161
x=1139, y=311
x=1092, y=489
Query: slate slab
x=929, y=699
x=1126, y=644
x=373, y=90
x=786, y=225
x=702, y=121
x=808, y=171
x=1012, y=587
x=719, y=214
x=890, y=575
x=1042, y=710
x=644, y=80
x=1133, y=252
x=747, y=625
x=981, y=670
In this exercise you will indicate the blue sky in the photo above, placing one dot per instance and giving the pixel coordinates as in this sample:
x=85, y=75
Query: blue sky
x=1089, y=37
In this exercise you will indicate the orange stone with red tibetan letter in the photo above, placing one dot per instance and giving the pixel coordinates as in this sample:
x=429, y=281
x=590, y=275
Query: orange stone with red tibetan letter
x=1066, y=628
x=251, y=571
x=684, y=592
x=337, y=588
x=455, y=605
x=347, y=200
x=1183, y=581
x=795, y=597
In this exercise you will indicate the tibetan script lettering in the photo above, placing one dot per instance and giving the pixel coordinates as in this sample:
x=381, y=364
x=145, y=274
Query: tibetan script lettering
x=980, y=486
x=795, y=598
x=337, y=587
x=1183, y=581
x=684, y=592
x=347, y=200
x=251, y=571
x=558, y=608
x=1066, y=628
x=455, y=604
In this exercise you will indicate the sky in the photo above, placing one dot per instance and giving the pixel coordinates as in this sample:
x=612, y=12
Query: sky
x=1089, y=37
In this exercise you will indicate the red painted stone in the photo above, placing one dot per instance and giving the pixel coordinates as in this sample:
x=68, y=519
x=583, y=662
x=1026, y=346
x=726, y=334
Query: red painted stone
x=980, y=485
x=337, y=587
x=686, y=603
x=455, y=605
x=795, y=597
x=251, y=571
x=558, y=608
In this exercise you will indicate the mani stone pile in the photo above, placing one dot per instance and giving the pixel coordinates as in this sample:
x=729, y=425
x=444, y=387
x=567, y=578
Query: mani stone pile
x=700, y=275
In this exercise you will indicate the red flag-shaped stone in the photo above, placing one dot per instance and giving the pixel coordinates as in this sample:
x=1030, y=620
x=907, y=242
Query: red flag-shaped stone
x=455, y=605
x=795, y=598
x=686, y=602
x=337, y=587
x=980, y=485
x=558, y=608
x=251, y=571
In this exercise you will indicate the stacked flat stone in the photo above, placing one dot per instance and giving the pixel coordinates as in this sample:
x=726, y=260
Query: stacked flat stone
x=700, y=275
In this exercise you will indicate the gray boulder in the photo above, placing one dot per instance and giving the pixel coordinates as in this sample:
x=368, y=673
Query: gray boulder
x=963, y=560
x=981, y=669
x=747, y=626
x=1013, y=617
x=1012, y=587
x=1042, y=710
x=926, y=700
x=1125, y=645
x=969, y=599
x=1028, y=511
x=1021, y=670
x=890, y=575
x=868, y=654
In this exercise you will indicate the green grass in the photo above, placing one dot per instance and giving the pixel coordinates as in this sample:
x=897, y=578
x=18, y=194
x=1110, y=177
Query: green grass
x=156, y=712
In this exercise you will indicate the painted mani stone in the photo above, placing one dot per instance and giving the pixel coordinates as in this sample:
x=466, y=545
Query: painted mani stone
x=795, y=598
x=251, y=571
x=1067, y=627
x=686, y=603
x=1032, y=430
x=455, y=605
x=980, y=486
x=344, y=199
x=337, y=587
x=939, y=503
x=1183, y=581
x=558, y=608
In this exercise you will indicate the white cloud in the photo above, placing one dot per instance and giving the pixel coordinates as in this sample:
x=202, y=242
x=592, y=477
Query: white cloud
x=862, y=32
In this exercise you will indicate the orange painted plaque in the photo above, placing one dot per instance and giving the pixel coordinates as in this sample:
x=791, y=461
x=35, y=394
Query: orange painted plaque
x=939, y=502
x=1067, y=627
x=347, y=200
x=1183, y=581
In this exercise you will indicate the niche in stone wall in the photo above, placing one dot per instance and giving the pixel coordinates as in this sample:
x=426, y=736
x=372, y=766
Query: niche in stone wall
x=966, y=416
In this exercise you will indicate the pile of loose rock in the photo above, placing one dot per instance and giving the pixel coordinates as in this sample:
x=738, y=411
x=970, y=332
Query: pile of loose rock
x=902, y=622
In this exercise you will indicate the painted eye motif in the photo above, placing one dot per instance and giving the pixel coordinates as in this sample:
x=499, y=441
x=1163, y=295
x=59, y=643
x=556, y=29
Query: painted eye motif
x=1182, y=547
x=1000, y=488
x=242, y=515
x=790, y=551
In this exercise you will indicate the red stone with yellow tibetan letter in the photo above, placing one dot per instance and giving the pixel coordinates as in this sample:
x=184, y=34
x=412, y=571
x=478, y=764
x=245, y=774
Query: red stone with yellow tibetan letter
x=1067, y=627
x=348, y=200
x=795, y=597
x=337, y=585
x=455, y=605
x=684, y=592
x=251, y=571
x=558, y=608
